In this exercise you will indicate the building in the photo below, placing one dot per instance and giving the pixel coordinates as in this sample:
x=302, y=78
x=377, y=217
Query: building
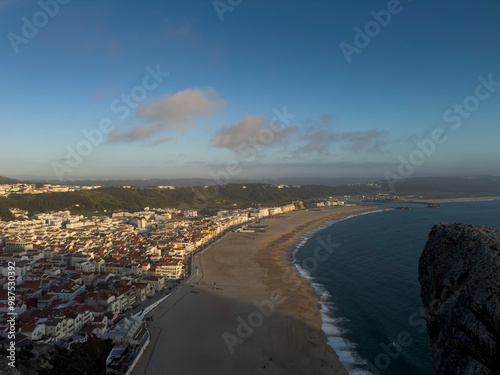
x=57, y=328
x=131, y=337
x=171, y=269
x=157, y=282
x=68, y=291
x=190, y=213
x=17, y=245
x=33, y=332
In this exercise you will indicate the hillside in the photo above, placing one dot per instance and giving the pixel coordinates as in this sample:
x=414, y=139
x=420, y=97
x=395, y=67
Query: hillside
x=234, y=195
x=5, y=180
x=210, y=199
x=189, y=182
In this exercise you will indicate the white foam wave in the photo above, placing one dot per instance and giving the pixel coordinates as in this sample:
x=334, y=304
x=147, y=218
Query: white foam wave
x=331, y=325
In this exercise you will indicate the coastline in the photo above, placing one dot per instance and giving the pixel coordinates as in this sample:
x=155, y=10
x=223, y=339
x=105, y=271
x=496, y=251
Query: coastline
x=201, y=328
x=475, y=199
x=339, y=344
x=286, y=276
x=444, y=200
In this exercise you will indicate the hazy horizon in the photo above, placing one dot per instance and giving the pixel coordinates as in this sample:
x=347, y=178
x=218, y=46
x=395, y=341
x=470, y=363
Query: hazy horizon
x=28, y=178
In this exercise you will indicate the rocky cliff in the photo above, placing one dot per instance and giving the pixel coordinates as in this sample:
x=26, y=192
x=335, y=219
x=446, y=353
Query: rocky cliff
x=459, y=272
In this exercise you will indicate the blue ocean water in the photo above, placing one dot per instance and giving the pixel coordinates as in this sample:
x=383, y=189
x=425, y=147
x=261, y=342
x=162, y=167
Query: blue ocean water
x=365, y=269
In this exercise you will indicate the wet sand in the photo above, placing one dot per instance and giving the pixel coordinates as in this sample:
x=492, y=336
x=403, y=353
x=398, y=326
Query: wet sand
x=260, y=317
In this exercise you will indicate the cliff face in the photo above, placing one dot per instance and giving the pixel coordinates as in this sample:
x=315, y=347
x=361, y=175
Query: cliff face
x=459, y=272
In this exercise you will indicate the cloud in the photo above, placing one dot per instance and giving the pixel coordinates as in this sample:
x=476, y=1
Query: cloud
x=307, y=166
x=231, y=136
x=318, y=137
x=180, y=110
x=138, y=133
x=159, y=141
x=370, y=139
x=250, y=129
x=173, y=112
x=315, y=137
x=318, y=142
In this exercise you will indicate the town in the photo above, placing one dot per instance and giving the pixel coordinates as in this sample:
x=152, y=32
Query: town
x=39, y=188
x=77, y=276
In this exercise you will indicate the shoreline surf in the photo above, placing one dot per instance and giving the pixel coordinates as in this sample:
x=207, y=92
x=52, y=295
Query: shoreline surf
x=247, y=268
x=345, y=349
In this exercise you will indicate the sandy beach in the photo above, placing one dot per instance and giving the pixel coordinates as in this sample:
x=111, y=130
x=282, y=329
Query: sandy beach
x=260, y=317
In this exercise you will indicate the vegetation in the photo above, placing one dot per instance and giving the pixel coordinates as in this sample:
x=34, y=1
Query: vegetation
x=5, y=214
x=209, y=199
x=88, y=358
x=6, y=180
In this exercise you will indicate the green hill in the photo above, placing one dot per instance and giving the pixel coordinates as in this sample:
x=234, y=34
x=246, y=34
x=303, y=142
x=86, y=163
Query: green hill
x=207, y=200
x=6, y=181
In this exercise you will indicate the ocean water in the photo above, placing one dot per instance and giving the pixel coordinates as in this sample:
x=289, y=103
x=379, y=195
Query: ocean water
x=365, y=270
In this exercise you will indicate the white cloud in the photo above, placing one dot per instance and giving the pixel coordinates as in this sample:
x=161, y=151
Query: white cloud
x=159, y=141
x=318, y=138
x=173, y=112
x=231, y=136
x=180, y=110
x=247, y=130
x=363, y=140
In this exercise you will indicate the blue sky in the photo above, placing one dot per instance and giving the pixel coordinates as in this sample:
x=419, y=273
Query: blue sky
x=224, y=71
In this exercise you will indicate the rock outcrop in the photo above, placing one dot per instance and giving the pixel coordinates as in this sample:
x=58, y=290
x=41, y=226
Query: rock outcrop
x=459, y=272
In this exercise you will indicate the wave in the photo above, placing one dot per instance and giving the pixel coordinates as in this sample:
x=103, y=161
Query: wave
x=331, y=324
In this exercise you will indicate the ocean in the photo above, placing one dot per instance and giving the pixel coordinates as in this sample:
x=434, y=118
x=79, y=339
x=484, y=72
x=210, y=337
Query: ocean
x=365, y=270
